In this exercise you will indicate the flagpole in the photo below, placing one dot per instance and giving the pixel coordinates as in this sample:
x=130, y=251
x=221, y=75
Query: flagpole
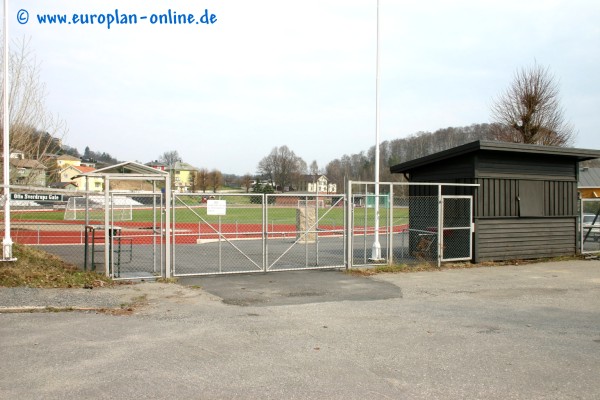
x=376, y=248
x=7, y=241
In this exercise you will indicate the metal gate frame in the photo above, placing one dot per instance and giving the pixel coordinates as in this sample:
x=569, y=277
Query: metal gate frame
x=221, y=236
x=470, y=228
x=130, y=171
x=121, y=244
x=309, y=230
x=282, y=247
x=388, y=258
x=589, y=232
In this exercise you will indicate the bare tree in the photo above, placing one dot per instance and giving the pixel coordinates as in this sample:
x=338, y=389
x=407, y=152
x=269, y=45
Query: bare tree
x=529, y=111
x=267, y=166
x=169, y=158
x=246, y=182
x=314, y=168
x=282, y=167
x=192, y=180
x=216, y=179
x=202, y=179
x=34, y=131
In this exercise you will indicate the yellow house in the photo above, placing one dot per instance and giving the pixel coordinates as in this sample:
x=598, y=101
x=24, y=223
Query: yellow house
x=66, y=160
x=182, y=175
x=67, y=174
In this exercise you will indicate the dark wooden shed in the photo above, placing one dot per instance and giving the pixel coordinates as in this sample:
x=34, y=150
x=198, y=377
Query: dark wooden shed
x=526, y=205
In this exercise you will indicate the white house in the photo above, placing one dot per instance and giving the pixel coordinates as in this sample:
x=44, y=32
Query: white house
x=316, y=184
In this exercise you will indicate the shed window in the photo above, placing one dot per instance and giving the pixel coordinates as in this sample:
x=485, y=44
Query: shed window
x=531, y=198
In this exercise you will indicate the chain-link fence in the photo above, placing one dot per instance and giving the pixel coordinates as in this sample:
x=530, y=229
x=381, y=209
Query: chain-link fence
x=73, y=225
x=233, y=233
x=136, y=234
x=217, y=233
x=400, y=223
x=304, y=232
x=38, y=219
x=125, y=234
x=589, y=238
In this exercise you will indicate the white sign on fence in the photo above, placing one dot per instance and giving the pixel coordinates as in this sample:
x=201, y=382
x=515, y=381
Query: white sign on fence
x=216, y=207
x=36, y=197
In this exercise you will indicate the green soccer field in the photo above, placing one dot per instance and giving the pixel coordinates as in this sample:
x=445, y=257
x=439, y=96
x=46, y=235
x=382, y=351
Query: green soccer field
x=239, y=214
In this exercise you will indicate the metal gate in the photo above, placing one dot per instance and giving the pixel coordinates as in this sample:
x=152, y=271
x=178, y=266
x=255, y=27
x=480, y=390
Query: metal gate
x=457, y=227
x=304, y=232
x=136, y=234
x=243, y=233
x=589, y=226
x=404, y=221
x=217, y=233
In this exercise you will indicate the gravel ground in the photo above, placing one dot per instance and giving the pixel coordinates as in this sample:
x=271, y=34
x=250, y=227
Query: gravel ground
x=31, y=298
x=119, y=297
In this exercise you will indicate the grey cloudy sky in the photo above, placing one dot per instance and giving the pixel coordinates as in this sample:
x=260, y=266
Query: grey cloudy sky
x=300, y=73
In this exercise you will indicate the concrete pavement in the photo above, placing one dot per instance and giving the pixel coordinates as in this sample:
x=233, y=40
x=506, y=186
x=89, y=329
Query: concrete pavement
x=512, y=332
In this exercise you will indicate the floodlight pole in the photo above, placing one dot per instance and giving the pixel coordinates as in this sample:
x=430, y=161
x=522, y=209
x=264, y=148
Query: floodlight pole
x=7, y=241
x=376, y=248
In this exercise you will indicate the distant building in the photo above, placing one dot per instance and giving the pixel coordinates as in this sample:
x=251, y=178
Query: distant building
x=66, y=160
x=316, y=184
x=588, y=184
x=71, y=186
x=264, y=182
x=72, y=172
x=157, y=165
x=88, y=162
x=182, y=175
x=27, y=172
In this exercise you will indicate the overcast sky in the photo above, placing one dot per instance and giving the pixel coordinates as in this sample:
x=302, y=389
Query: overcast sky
x=300, y=73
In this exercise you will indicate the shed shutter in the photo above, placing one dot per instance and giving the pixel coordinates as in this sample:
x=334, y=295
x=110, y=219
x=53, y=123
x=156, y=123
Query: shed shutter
x=531, y=198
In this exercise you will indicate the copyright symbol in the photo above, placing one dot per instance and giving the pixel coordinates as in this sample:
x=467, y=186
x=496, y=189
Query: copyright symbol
x=22, y=17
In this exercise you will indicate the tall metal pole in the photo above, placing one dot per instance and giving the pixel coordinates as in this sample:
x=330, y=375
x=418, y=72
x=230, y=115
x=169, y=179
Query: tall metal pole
x=7, y=241
x=376, y=249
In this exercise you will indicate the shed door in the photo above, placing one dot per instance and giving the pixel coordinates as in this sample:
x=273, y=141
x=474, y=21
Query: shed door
x=457, y=227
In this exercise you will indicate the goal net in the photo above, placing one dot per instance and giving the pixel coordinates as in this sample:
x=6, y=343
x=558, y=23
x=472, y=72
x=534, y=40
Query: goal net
x=121, y=208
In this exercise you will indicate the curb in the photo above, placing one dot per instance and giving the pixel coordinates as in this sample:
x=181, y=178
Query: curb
x=50, y=309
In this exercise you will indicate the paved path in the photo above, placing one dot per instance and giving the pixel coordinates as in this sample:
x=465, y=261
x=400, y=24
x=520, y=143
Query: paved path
x=516, y=332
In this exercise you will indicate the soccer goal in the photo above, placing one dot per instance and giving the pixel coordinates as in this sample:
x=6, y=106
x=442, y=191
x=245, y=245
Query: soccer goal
x=122, y=208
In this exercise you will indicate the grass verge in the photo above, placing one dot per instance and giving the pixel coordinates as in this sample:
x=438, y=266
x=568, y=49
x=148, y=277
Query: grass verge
x=38, y=269
x=407, y=268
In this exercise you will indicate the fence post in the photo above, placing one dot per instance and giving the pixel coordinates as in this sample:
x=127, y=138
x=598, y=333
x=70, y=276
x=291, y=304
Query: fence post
x=348, y=223
x=440, y=228
x=264, y=230
x=168, y=226
x=107, y=244
x=390, y=224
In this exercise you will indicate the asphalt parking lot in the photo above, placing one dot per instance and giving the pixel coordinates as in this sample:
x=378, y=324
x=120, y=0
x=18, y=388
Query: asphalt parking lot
x=512, y=332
